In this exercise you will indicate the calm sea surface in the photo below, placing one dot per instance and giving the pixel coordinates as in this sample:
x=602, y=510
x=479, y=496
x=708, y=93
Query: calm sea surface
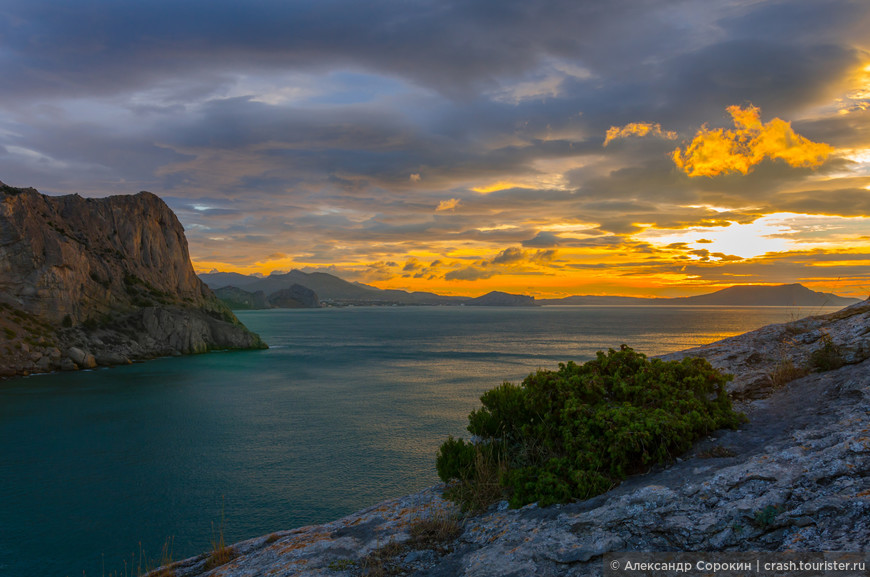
x=347, y=408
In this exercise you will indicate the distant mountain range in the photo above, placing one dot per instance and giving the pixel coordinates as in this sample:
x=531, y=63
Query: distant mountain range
x=741, y=295
x=329, y=290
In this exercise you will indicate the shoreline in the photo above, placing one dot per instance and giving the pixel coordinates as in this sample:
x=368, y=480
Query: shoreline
x=799, y=432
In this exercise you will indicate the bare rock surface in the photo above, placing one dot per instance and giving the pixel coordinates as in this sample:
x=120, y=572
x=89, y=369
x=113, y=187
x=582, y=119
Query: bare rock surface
x=795, y=477
x=102, y=281
x=761, y=360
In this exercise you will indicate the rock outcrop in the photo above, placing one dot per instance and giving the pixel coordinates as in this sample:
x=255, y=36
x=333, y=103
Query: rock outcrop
x=501, y=299
x=796, y=477
x=295, y=297
x=240, y=299
x=101, y=281
x=764, y=359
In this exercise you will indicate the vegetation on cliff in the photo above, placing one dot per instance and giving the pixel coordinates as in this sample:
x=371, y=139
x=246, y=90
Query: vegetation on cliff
x=578, y=431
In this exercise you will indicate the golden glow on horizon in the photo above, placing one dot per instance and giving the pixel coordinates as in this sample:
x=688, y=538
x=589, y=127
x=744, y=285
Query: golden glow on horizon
x=720, y=151
x=638, y=129
x=499, y=227
x=742, y=240
x=592, y=255
x=772, y=233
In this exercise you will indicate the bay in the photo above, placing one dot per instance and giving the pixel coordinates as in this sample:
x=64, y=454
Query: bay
x=98, y=469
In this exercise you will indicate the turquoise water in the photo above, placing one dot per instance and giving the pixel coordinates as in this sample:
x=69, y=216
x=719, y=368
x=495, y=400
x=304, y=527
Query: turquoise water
x=347, y=408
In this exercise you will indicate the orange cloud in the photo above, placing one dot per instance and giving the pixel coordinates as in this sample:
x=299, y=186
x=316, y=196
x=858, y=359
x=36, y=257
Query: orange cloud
x=720, y=151
x=638, y=129
x=447, y=204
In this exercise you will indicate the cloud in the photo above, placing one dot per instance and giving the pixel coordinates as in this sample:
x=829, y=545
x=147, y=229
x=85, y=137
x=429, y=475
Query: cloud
x=499, y=186
x=412, y=264
x=470, y=273
x=720, y=151
x=347, y=133
x=509, y=255
x=446, y=205
x=638, y=129
x=512, y=260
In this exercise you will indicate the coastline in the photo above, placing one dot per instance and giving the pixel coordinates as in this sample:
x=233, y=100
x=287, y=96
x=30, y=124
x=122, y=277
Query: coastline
x=791, y=479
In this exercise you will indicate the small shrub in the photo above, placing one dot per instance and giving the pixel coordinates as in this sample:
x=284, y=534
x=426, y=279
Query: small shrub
x=828, y=357
x=10, y=334
x=765, y=517
x=576, y=432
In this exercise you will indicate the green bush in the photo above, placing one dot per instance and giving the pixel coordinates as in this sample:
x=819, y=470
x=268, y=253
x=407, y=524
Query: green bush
x=578, y=431
x=828, y=357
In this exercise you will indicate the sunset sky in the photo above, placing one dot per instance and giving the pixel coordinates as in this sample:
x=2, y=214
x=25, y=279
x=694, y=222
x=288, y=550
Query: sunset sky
x=550, y=148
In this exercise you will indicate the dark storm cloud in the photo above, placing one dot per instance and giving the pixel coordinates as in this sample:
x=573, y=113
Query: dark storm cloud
x=89, y=46
x=778, y=77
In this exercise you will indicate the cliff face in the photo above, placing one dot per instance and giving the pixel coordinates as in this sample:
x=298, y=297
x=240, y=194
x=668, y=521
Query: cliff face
x=72, y=267
x=82, y=257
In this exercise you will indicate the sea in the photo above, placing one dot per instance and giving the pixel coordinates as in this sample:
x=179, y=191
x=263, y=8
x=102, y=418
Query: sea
x=105, y=472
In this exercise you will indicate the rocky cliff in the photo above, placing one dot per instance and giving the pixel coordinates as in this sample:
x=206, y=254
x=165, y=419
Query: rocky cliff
x=101, y=281
x=796, y=477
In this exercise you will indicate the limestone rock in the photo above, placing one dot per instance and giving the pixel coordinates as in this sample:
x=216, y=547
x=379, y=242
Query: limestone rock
x=765, y=359
x=106, y=280
x=81, y=358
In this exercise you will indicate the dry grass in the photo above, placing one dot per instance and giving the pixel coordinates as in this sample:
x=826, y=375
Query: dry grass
x=717, y=452
x=221, y=553
x=382, y=561
x=784, y=369
x=784, y=372
x=435, y=532
x=484, y=488
x=163, y=566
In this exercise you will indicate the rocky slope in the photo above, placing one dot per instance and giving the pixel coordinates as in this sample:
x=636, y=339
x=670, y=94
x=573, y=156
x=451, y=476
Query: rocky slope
x=796, y=477
x=764, y=359
x=101, y=281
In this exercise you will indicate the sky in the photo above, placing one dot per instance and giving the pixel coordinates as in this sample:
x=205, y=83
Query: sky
x=644, y=147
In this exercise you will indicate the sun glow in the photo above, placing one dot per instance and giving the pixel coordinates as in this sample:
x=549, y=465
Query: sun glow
x=720, y=242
